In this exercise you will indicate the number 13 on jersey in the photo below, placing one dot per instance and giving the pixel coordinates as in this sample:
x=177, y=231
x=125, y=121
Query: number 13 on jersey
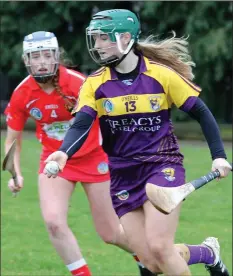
x=130, y=106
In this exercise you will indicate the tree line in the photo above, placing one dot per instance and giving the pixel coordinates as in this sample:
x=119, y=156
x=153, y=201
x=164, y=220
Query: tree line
x=208, y=25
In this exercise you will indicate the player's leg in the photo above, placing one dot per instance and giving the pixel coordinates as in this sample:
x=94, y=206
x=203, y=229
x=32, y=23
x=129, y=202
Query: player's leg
x=173, y=175
x=106, y=221
x=125, y=197
x=54, y=196
x=107, y=224
x=160, y=232
x=94, y=176
x=128, y=194
x=160, y=229
x=133, y=225
x=208, y=253
x=190, y=257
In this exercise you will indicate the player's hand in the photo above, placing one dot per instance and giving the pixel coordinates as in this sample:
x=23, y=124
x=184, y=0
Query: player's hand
x=222, y=166
x=12, y=185
x=60, y=158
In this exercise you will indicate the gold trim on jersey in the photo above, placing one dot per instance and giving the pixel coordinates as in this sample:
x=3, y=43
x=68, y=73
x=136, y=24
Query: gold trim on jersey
x=176, y=89
x=98, y=72
x=132, y=103
x=193, y=85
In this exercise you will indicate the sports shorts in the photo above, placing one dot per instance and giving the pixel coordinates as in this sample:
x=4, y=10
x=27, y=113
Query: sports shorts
x=128, y=181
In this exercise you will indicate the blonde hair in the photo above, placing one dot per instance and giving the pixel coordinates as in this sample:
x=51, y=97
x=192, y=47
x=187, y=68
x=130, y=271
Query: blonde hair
x=172, y=52
x=65, y=61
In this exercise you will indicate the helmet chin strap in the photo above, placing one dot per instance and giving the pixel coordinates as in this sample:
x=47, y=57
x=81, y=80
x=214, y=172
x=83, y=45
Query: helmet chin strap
x=117, y=62
x=43, y=79
x=124, y=52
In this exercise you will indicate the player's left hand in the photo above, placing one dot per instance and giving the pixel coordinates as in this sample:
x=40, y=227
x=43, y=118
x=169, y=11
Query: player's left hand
x=222, y=166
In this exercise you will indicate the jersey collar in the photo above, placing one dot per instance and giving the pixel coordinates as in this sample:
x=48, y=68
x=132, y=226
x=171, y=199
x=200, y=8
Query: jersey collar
x=143, y=68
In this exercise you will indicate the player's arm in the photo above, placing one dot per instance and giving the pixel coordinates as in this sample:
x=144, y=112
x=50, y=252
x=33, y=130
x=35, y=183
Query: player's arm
x=16, y=118
x=201, y=113
x=86, y=112
x=11, y=135
x=184, y=94
x=77, y=134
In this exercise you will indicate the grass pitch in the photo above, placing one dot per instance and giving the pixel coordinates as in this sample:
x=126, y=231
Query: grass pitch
x=26, y=249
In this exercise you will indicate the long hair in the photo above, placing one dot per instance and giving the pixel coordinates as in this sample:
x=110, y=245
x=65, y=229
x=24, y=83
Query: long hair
x=65, y=61
x=172, y=52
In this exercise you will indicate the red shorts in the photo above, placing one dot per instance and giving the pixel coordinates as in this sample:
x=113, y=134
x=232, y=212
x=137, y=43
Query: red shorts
x=91, y=168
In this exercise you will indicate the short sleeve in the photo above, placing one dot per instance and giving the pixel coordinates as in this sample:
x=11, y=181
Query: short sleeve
x=182, y=92
x=86, y=100
x=16, y=116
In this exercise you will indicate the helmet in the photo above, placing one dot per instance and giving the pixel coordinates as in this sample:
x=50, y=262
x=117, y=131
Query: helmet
x=40, y=42
x=114, y=23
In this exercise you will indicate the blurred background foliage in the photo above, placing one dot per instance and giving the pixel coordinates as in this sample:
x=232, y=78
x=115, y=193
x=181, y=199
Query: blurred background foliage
x=208, y=25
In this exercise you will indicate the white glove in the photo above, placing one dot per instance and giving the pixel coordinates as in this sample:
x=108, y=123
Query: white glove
x=222, y=166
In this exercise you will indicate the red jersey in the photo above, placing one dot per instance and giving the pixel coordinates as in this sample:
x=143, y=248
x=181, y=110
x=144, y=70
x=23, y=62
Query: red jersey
x=49, y=112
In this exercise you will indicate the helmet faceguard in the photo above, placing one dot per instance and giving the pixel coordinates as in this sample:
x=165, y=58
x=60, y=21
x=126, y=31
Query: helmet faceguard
x=41, y=55
x=113, y=23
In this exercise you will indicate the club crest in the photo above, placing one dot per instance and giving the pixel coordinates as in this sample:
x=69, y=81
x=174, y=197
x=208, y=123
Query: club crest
x=155, y=102
x=108, y=106
x=169, y=174
x=123, y=195
x=102, y=168
x=36, y=113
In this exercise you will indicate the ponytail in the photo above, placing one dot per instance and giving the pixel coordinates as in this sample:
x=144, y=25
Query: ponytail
x=69, y=104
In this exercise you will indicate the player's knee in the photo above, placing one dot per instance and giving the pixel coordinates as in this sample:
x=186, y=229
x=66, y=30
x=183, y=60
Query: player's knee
x=109, y=233
x=161, y=250
x=108, y=237
x=55, y=227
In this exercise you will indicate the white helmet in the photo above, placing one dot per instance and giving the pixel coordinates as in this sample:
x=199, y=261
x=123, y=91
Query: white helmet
x=38, y=42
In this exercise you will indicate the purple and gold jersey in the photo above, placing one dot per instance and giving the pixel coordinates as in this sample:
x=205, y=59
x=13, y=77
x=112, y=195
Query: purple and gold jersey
x=135, y=120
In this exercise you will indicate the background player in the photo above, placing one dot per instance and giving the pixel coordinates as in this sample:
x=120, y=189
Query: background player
x=48, y=95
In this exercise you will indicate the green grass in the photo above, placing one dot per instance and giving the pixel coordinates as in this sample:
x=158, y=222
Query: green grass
x=26, y=249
